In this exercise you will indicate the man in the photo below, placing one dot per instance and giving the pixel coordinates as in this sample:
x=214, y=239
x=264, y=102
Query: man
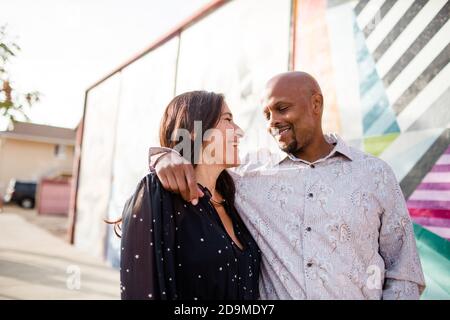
x=330, y=220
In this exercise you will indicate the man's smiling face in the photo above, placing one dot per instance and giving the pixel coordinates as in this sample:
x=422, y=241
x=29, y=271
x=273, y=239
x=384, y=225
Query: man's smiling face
x=288, y=106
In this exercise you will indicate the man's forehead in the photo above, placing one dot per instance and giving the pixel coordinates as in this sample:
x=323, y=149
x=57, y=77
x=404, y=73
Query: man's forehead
x=274, y=99
x=273, y=95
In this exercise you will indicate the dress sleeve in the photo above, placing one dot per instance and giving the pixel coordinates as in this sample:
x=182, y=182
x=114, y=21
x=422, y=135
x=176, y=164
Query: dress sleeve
x=147, y=265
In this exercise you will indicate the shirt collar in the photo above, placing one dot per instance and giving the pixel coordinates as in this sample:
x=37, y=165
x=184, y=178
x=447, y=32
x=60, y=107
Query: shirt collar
x=332, y=138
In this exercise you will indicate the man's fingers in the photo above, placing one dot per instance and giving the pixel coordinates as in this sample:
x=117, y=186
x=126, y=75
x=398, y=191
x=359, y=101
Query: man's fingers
x=200, y=192
x=164, y=182
x=162, y=176
x=191, y=183
x=182, y=185
x=172, y=183
x=178, y=177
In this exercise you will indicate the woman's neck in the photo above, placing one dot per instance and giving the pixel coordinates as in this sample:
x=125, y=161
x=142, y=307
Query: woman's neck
x=207, y=176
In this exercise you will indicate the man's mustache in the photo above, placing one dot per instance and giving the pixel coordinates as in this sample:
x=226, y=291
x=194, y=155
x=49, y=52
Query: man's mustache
x=274, y=131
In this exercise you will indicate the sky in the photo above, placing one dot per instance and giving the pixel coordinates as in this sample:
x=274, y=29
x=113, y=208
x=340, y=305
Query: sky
x=67, y=45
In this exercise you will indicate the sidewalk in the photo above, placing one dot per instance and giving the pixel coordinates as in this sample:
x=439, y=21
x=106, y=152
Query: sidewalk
x=35, y=264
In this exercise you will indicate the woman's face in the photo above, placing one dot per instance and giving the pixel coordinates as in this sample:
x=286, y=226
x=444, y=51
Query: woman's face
x=222, y=143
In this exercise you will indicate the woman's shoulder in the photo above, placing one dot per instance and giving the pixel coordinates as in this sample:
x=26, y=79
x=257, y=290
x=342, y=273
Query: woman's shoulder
x=151, y=180
x=148, y=186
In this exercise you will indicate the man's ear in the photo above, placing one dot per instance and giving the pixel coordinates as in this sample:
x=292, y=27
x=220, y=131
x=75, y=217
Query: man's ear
x=317, y=102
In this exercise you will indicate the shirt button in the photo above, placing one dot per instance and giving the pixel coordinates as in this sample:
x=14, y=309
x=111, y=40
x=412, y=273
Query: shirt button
x=308, y=229
x=312, y=166
x=309, y=264
x=310, y=195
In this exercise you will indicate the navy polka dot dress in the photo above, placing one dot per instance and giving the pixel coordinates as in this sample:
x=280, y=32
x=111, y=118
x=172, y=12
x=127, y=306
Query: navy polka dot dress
x=172, y=250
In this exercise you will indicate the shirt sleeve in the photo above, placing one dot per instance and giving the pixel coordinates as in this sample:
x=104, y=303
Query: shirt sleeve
x=155, y=152
x=404, y=277
x=249, y=161
x=148, y=240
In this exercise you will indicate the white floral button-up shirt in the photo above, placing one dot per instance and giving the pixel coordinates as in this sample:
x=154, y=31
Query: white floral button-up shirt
x=337, y=228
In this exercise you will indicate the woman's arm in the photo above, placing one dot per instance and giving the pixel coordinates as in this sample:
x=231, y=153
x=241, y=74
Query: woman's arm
x=146, y=266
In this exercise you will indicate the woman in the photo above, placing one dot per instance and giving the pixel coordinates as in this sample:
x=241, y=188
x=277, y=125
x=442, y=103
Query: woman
x=172, y=249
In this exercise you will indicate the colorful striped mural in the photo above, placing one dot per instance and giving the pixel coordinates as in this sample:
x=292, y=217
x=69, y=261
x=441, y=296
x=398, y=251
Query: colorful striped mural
x=387, y=64
x=429, y=205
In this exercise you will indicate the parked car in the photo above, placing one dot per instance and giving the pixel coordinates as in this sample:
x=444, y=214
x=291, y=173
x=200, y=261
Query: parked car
x=22, y=193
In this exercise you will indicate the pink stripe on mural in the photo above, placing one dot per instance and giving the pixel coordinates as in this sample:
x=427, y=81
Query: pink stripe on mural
x=445, y=159
x=437, y=222
x=428, y=213
x=442, y=232
x=441, y=168
x=434, y=186
x=431, y=195
x=440, y=177
x=422, y=204
x=313, y=55
x=447, y=151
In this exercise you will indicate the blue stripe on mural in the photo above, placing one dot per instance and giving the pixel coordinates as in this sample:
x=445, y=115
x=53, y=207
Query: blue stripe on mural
x=374, y=101
x=398, y=28
x=384, y=122
x=374, y=105
x=394, y=127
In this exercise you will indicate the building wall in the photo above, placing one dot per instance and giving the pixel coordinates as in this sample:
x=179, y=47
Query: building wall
x=95, y=180
x=382, y=65
x=123, y=112
x=28, y=160
x=384, y=69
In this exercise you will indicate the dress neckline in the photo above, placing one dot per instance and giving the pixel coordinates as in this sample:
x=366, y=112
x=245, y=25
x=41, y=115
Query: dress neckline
x=229, y=211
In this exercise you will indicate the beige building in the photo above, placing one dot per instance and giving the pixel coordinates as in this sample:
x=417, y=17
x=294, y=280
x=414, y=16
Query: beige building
x=31, y=151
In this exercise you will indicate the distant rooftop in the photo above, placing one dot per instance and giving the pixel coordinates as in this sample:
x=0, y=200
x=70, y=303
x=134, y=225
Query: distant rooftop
x=39, y=132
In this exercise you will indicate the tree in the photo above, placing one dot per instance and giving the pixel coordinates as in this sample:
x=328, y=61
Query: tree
x=13, y=104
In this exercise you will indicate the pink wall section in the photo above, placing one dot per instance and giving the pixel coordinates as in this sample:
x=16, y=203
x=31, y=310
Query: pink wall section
x=314, y=54
x=54, y=197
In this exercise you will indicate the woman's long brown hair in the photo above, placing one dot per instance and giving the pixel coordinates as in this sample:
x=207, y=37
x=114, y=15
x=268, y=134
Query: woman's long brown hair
x=181, y=113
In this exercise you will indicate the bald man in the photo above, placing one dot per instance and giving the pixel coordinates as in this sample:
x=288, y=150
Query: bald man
x=331, y=221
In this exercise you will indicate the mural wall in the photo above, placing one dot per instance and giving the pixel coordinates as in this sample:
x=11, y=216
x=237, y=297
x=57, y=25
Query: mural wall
x=383, y=66
x=95, y=180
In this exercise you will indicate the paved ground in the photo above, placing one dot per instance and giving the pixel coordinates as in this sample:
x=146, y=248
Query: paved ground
x=37, y=263
x=54, y=224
